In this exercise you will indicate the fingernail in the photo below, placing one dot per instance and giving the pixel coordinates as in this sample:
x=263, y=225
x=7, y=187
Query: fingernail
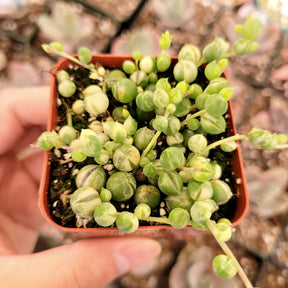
x=135, y=253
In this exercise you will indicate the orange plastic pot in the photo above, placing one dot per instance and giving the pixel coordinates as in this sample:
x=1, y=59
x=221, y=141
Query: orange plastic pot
x=113, y=61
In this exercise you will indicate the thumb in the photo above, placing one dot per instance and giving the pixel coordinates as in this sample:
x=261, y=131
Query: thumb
x=86, y=263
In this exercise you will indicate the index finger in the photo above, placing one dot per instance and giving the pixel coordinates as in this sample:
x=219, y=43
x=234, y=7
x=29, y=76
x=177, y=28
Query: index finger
x=21, y=109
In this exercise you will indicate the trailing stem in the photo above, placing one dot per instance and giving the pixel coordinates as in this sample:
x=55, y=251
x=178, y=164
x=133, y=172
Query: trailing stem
x=69, y=119
x=158, y=220
x=151, y=144
x=222, y=141
x=230, y=254
x=199, y=113
x=153, y=140
x=50, y=49
x=218, y=143
x=283, y=146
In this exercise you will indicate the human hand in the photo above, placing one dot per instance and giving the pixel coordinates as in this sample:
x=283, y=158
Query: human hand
x=85, y=263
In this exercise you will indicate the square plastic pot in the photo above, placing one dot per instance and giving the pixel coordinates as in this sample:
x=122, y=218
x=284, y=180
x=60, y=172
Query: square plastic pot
x=114, y=61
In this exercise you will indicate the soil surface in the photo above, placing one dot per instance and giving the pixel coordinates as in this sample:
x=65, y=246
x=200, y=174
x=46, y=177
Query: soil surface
x=260, y=99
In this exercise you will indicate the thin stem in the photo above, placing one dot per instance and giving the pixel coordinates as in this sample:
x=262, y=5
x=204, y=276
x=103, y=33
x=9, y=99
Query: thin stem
x=159, y=170
x=230, y=254
x=282, y=146
x=66, y=161
x=228, y=54
x=68, y=148
x=222, y=141
x=103, y=151
x=69, y=119
x=153, y=140
x=217, y=143
x=189, y=169
x=201, y=62
x=158, y=220
x=73, y=59
x=199, y=113
x=104, y=88
x=26, y=152
x=224, y=55
x=151, y=144
x=193, y=107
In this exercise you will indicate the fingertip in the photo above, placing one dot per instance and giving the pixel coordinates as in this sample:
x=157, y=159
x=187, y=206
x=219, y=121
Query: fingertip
x=136, y=253
x=20, y=111
x=91, y=262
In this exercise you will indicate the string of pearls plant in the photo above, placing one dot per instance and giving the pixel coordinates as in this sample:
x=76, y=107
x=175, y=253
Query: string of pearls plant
x=158, y=128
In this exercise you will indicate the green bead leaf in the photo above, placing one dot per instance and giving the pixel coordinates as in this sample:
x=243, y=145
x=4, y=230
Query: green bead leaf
x=84, y=201
x=189, y=52
x=212, y=52
x=126, y=157
x=147, y=64
x=91, y=176
x=57, y=46
x=181, y=200
x=224, y=267
x=221, y=191
x=91, y=145
x=147, y=194
x=66, y=88
x=201, y=211
x=142, y=211
x=199, y=190
x=128, y=66
x=142, y=138
x=222, y=231
x=213, y=125
x=212, y=71
x=170, y=183
x=185, y=70
x=179, y=218
x=140, y=78
x=216, y=105
x=124, y=90
x=105, y=195
x=144, y=101
x=163, y=61
x=96, y=103
x=251, y=29
x=172, y=158
x=122, y=185
x=45, y=140
x=105, y=214
x=160, y=123
x=127, y=222
x=160, y=98
x=165, y=40
x=67, y=134
x=197, y=143
x=84, y=55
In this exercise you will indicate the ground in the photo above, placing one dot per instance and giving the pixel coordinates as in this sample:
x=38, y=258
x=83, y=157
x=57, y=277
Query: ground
x=260, y=99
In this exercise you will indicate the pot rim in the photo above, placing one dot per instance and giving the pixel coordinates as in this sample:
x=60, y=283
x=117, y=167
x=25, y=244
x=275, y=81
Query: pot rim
x=105, y=60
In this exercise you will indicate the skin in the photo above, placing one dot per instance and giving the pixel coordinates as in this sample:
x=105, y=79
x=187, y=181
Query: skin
x=23, y=116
